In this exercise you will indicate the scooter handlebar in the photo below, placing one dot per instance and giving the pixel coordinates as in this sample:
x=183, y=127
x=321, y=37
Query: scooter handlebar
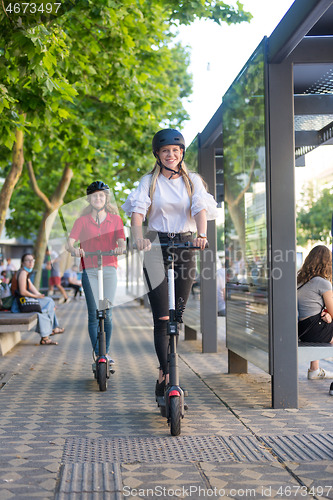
x=99, y=252
x=110, y=252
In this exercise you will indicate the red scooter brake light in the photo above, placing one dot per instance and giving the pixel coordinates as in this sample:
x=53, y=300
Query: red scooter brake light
x=174, y=393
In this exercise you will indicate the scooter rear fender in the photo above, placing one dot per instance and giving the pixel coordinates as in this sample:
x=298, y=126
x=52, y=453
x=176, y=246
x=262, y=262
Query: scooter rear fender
x=172, y=392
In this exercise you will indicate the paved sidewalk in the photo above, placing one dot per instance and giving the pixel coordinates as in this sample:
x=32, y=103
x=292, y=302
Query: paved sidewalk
x=61, y=438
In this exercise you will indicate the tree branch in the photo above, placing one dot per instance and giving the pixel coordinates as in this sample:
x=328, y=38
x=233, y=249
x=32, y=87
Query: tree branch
x=62, y=187
x=35, y=187
x=4, y=9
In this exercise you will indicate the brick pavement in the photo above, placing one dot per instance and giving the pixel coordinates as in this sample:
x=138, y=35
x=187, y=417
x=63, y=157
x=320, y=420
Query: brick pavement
x=61, y=438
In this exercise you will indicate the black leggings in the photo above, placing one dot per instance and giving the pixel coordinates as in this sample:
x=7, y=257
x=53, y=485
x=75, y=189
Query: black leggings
x=185, y=268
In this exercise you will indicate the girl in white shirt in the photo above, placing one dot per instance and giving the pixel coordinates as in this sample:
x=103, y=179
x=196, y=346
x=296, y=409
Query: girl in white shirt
x=177, y=205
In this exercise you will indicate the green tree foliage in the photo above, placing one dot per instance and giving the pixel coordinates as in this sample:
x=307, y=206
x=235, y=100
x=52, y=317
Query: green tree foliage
x=31, y=79
x=314, y=221
x=31, y=88
x=186, y=12
x=87, y=90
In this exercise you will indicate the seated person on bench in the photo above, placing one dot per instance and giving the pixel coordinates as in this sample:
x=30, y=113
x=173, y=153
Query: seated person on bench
x=47, y=323
x=315, y=303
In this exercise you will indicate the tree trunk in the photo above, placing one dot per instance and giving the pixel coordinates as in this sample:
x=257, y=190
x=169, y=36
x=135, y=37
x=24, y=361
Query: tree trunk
x=40, y=249
x=237, y=217
x=51, y=204
x=237, y=211
x=12, y=177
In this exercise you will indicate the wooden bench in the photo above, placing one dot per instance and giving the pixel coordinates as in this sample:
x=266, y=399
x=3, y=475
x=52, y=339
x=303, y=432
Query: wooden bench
x=11, y=326
x=310, y=351
x=191, y=320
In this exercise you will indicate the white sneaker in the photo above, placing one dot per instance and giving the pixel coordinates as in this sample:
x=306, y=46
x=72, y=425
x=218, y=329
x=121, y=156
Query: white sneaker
x=111, y=361
x=319, y=374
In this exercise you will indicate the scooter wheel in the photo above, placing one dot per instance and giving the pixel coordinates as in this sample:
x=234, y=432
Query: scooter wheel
x=175, y=415
x=101, y=376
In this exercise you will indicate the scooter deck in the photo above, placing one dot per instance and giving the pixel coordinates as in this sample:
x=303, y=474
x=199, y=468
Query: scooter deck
x=160, y=400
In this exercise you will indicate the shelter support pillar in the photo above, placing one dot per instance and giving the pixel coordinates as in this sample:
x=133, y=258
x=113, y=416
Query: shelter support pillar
x=282, y=236
x=208, y=295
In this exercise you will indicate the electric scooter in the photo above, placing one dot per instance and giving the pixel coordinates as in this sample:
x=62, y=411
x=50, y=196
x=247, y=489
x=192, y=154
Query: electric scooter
x=101, y=366
x=172, y=404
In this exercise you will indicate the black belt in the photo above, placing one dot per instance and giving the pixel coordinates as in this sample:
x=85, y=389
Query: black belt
x=175, y=236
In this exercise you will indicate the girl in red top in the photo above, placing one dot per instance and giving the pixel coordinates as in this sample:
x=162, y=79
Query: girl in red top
x=98, y=228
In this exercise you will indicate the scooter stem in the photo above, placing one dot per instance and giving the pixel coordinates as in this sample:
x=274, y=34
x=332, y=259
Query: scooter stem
x=173, y=362
x=100, y=279
x=101, y=311
x=171, y=289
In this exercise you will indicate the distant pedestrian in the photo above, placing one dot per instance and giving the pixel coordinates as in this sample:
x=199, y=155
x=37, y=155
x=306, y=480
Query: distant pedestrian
x=10, y=268
x=55, y=278
x=70, y=280
x=4, y=277
x=220, y=284
x=315, y=303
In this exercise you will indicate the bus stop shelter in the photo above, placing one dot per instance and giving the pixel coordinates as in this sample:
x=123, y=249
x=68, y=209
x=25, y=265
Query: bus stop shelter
x=279, y=107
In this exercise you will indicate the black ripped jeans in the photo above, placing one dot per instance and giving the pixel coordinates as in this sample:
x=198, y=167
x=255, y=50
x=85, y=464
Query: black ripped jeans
x=155, y=272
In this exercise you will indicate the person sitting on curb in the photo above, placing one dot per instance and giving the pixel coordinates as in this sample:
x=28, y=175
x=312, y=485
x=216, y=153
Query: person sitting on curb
x=315, y=304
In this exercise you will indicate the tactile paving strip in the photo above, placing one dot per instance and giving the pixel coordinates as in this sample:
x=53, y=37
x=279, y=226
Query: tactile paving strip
x=248, y=449
x=297, y=447
x=142, y=449
x=168, y=449
x=301, y=447
x=79, y=481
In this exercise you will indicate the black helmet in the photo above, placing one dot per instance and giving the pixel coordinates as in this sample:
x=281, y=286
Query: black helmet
x=97, y=186
x=167, y=137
